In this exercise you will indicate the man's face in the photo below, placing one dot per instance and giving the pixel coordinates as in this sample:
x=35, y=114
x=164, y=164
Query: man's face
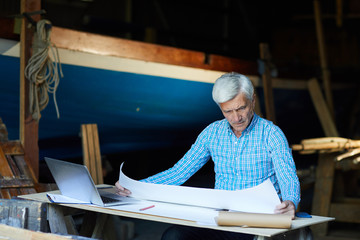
x=239, y=112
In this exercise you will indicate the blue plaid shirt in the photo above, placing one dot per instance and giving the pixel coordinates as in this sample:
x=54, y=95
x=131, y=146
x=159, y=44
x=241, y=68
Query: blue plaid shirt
x=261, y=152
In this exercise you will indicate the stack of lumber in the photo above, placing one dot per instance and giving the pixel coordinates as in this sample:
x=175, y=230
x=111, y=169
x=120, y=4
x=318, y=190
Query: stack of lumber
x=348, y=148
x=336, y=190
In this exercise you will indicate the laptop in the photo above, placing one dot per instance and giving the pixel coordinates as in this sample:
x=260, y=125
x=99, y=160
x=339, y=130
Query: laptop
x=74, y=181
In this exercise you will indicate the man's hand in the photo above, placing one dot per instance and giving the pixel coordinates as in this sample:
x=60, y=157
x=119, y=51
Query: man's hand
x=286, y=207
x=121, y=190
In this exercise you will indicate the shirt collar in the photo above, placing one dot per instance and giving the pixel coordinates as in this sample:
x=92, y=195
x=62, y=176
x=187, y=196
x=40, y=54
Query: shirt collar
x=248, y=128
x=252, y=123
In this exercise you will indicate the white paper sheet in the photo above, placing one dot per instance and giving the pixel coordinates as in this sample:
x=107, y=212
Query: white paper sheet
x=58, y=198
x=259, y=199
x=203, y=216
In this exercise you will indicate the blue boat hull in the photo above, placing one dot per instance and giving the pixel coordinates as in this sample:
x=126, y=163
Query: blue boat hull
x=133, y=111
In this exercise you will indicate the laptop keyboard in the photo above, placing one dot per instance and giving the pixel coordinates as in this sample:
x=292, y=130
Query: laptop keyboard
x=109, y=200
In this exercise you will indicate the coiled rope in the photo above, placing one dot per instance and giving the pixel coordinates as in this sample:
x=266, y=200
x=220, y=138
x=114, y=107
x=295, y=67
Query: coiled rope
x=41, y=71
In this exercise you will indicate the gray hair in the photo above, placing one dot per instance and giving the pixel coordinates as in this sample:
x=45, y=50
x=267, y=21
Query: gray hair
x=230, y=85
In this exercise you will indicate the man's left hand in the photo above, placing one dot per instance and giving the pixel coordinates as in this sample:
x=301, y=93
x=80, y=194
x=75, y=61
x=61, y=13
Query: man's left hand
x=286, y=207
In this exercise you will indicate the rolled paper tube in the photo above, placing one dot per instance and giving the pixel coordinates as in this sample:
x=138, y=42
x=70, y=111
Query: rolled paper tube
x=254, y=220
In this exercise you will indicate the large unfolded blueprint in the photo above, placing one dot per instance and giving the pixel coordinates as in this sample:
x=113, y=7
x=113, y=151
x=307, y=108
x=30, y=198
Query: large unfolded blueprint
x=259, y=199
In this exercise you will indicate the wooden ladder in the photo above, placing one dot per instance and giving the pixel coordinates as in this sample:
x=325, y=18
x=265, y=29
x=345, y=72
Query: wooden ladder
x=16, y=177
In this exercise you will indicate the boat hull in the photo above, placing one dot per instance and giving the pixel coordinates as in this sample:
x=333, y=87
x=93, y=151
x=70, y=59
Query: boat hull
x=134, y=111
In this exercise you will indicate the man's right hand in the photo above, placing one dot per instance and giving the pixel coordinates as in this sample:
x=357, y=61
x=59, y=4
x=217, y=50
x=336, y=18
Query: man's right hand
x=121, y=190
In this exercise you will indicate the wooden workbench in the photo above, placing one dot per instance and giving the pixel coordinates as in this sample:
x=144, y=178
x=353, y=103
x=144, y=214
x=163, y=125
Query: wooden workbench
x=58, y=209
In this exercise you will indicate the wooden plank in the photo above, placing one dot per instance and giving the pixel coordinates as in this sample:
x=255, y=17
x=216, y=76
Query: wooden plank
x=322, y=110
x=324, y=140
x=267, y=83
x=85, y=146
x=92, y=157
x=13, y=166
x=15, y=182
x=70, y=225
x=98, y=160
x=56, y=219
x=5, y=169
x=345, y=212
x=283, y=83
x=29, y=133
x=29, y=190
x=295, y=84
x=4, y=193
x=13, y=233
x=45, y=187
x=91, y=151
x=12, y=147
x=323, y=190
x=24, y=168
x=328, y=146
x=111, y=46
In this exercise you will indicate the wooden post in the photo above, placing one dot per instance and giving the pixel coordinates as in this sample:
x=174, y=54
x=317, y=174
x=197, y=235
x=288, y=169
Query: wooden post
x=323, y=58
x=267, y=83
x=323, y=190
x=28, y=126
x=322, y=109
x=339, y=13
x=56, y=218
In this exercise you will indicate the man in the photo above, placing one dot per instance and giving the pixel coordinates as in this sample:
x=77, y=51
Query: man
x=246, y=150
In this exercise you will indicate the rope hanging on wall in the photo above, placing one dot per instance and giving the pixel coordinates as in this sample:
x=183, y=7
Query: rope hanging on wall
x=41, y=71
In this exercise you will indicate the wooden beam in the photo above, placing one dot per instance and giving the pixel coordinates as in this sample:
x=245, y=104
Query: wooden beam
x=322, y=109
x=323, y=190
x=16, y=183
x=5, y=170
x=56, y=218
x=323, y=57
x=295, y=84
x=339, y=13
x=28, y=126
x=111, y=46
x=12, y=148
x=24, y=168
x=267, y=83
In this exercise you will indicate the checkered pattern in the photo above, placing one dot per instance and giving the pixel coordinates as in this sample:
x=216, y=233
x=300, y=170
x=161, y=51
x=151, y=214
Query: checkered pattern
x=261, y=152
